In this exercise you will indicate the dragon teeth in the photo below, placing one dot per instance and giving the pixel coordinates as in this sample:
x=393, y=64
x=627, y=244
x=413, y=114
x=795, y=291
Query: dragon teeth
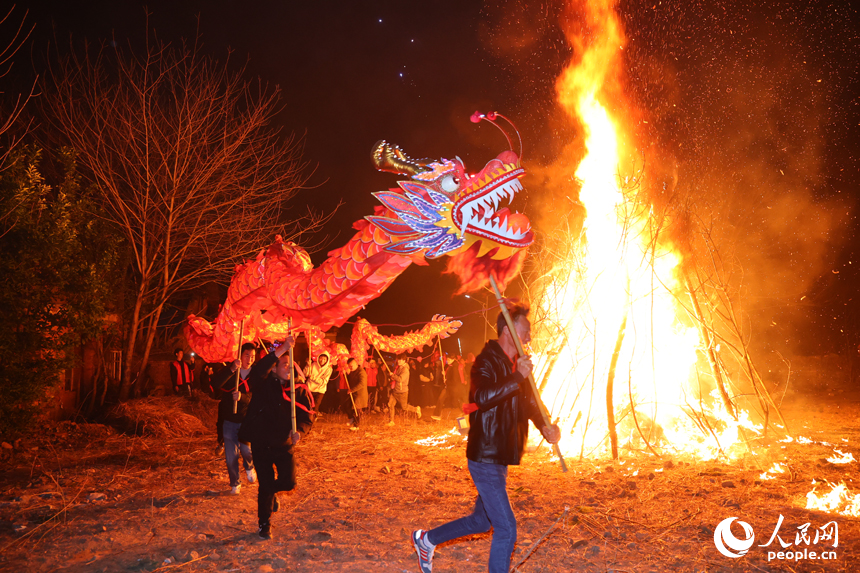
x=467, y=220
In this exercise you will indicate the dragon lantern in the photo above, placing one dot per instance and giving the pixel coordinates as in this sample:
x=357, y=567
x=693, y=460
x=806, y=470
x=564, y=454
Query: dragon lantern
x=441, y=210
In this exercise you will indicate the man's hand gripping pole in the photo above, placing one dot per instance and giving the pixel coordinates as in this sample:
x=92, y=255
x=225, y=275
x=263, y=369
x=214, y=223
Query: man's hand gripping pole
x=509, y=321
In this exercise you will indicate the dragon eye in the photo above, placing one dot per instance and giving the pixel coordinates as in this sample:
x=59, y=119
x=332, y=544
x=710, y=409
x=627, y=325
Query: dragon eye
x=450, y=183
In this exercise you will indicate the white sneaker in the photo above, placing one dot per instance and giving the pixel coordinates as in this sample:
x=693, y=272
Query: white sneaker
x=252, y=475
x=236, y=489
x=437, y=418
x=424, y=549
x=353, y=429
x=418, y=411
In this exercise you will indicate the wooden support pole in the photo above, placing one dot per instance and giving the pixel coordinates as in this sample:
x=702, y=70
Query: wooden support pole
x=610, y=386
x=709, y=350
x=292, y=377
x=239, y=369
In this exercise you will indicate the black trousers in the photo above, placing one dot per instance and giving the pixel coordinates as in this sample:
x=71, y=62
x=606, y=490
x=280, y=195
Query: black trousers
x=372, y=393
x=318, y=398
x=266, y=459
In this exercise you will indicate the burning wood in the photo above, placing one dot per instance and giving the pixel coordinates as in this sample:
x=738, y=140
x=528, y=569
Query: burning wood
x=625, y=308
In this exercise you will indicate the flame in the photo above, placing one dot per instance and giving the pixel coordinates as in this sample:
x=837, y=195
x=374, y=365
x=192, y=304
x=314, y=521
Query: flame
x=838, y=500
x=620, y=288
x=843, y=458
x=772, y=472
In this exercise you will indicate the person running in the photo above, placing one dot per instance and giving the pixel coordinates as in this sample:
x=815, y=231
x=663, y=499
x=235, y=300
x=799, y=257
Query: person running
x=498, y=431
x=230, y=422
x=268, y=428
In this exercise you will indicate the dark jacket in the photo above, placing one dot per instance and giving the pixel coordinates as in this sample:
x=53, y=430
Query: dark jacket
x=225, y=382
x=268, y=421
x=499, y=428
x=357, y=381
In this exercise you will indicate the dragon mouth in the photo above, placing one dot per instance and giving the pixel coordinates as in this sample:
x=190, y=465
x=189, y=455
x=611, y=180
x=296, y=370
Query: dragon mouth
x=478, y=212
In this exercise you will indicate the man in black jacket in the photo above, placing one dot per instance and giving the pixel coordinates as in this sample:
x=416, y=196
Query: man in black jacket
x=497, y=435
x=229, y=423
x=268, y=427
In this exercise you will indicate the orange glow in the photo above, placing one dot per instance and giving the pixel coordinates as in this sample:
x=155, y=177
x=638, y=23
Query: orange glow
x=625, y=273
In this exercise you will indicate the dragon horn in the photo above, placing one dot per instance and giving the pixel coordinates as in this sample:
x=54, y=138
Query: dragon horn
x=390, y=158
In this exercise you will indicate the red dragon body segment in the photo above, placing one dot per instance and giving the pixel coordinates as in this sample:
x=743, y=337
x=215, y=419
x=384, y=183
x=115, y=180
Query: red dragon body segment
x=440, y=211
x=365, y=335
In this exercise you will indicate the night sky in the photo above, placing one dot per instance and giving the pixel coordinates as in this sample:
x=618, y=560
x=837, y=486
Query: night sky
x=733, y=94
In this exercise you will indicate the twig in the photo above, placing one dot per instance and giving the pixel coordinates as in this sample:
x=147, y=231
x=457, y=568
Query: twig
x=674, y=523
x=49, y=520
x=539, y=541
x=178, y=565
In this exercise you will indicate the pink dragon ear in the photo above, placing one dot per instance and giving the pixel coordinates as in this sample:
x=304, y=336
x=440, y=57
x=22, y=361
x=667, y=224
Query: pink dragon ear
x=476, y=117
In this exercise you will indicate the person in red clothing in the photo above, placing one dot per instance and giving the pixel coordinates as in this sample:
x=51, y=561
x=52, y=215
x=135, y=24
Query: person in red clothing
x=181, y=374
x=372, y=389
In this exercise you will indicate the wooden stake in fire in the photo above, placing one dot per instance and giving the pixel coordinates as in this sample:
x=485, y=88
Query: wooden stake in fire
x=510, y=322
x=239, y=369
x=292, y=377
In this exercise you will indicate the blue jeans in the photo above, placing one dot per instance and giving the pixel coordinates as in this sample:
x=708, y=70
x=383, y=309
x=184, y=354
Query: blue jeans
x=492, y=508
x=232, y=448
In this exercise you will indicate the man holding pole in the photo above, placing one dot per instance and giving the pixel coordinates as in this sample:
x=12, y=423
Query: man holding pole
x=231, y=413
x=356, y=380
x=275, y=422
x=503, y=403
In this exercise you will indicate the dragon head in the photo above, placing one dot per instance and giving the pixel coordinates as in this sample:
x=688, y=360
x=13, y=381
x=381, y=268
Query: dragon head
x=446, y=211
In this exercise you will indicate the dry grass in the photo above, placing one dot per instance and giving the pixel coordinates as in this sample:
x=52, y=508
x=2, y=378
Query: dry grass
x=361, y=493
x=164, y=416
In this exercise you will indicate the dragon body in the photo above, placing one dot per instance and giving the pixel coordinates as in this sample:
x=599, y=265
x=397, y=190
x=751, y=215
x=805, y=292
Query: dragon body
x=365, y=335
x=441, y=211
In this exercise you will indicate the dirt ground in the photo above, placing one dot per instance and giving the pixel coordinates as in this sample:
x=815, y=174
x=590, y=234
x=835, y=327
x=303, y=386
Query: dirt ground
x=83, y=497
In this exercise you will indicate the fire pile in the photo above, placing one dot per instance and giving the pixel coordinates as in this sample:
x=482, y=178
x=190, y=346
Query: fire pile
x=634, y=336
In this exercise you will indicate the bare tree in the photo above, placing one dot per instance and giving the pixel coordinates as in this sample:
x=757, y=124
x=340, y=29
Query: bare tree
x=186, y=163
x=10, y=115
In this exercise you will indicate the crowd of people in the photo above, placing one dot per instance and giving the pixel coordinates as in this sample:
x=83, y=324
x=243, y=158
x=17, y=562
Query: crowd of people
x=382, y=386
x=267, y=402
